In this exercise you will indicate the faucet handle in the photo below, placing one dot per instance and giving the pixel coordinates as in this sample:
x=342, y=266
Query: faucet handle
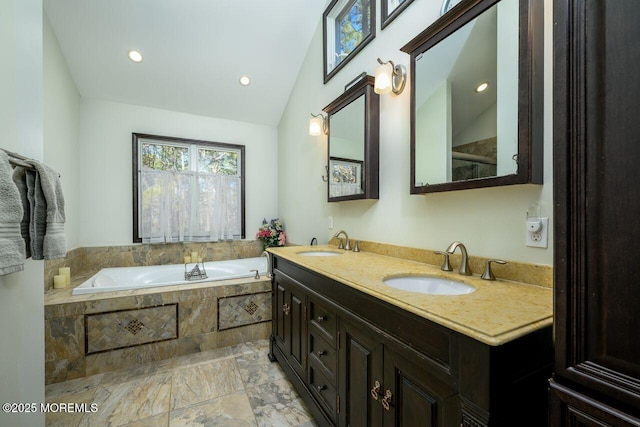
x=341, y=243
x=356, y=247
x=445, y=263
x=488, y=274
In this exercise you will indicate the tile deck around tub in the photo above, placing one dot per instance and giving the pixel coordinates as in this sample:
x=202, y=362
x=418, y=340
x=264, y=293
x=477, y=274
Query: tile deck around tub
x=230, y=386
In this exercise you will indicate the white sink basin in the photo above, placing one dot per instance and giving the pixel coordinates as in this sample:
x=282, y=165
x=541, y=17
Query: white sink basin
x=429, y=285
x=319, y=253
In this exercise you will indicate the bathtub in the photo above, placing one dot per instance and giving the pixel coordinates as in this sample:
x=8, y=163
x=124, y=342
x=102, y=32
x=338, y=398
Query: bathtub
x=125, y=278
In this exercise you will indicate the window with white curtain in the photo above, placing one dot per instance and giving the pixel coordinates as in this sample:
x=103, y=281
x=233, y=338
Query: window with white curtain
x=187, y=190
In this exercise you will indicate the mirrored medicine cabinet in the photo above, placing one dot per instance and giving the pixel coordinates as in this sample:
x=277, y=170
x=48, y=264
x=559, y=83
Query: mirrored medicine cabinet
x=476, y=97
x=354, y=142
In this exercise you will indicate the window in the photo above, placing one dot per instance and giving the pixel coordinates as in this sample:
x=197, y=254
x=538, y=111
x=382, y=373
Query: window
x=348, y=26
x=186, y=190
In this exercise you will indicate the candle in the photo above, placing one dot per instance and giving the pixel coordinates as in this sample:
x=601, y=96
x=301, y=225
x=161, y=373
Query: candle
x=187, y=259
x=194, y=256
x=59, y=281
x=65, y=271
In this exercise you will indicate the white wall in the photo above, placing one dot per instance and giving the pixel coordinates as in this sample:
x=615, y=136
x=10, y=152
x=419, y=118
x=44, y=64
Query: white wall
x=21, y=294
x=491, y=222
x=61, y=127
x=105, y=164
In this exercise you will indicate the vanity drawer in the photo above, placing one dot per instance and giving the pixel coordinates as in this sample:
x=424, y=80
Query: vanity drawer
x=323, y=390
x=323, y=320
x=322, y=354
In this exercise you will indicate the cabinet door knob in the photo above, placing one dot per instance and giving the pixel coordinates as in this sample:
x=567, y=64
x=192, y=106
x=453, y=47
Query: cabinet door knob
x=286, y=309
x=321, y=319
x=321, y=353
x=386, y=400
x=320, y=388
x=375, y=391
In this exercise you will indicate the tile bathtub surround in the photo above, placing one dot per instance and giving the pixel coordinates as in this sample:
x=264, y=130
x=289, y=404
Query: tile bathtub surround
x=235, y=385
x=85, y=262
x=127, y=318
x=541, y=275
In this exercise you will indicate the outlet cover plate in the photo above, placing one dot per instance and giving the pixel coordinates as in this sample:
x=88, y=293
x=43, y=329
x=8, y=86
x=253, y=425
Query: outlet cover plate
x=539, y=239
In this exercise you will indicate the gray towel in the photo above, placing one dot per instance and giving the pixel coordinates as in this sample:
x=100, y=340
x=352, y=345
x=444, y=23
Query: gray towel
x=54, y=243
x=20, y=179
x=37, y=214
x=12, y=253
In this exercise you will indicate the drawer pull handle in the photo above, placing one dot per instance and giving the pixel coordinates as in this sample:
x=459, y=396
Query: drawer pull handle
x=321, y=319
x=375, y=391
x=286, y=309
x=320, y=388
x=321, y=353
x=386, y=400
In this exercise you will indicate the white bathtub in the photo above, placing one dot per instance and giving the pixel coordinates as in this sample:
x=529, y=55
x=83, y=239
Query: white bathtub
x=123, y=278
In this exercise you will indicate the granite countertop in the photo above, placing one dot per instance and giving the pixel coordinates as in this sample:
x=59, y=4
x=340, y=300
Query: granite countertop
x=497, y=312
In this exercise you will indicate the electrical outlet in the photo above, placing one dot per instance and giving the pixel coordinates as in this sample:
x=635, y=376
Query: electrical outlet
x=330, y=223
x=538, y=238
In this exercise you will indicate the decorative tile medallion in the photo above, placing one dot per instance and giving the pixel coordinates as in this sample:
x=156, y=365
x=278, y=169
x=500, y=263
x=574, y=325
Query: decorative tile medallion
x=251, y=308
x=134, y=326
x=126, y=328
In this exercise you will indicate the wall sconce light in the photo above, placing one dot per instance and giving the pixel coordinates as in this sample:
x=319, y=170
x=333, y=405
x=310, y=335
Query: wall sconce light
x=317, y=125
x=389, y=78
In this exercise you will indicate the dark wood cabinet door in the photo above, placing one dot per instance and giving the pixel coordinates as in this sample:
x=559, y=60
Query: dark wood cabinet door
x=297, y=350
x=290, y=321
x=279, y=307
x=413, y=397
x=597, y=197
x=360, y=366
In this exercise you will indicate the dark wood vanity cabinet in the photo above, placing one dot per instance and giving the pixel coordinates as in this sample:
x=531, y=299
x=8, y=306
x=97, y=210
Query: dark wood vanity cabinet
x=359, y=361
x=596, y=380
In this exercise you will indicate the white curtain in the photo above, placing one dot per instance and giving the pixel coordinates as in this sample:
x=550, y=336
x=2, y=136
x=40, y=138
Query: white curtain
x=189, y=206
x=344, y=189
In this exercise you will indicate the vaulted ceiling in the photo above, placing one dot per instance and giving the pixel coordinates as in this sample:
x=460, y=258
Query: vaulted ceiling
x=194, y=52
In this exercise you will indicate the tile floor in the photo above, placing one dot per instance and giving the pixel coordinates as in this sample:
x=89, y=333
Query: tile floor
x=231, y=386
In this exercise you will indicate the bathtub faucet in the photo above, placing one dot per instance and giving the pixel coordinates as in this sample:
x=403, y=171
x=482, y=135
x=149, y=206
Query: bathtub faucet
x=269, y=267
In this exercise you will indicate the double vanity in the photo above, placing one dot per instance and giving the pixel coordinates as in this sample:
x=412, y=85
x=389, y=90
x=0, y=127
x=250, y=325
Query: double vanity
x=372, y=340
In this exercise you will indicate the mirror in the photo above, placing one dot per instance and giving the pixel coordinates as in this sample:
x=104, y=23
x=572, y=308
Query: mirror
x=476, y=110
x=353, y=143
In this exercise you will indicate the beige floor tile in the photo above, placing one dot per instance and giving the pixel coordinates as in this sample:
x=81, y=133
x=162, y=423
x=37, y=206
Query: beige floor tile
x=256, y=369
x=131, y=401
x=66, y=418
x=201, y=389
x=229, y=411
x=204, y=356
x=78, y=385
x=161, y=420
x=204, y=381
x=136, y=373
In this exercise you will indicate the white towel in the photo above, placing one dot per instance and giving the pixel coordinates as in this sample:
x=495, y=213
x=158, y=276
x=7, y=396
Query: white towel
x=54, y=243
x=12, y=252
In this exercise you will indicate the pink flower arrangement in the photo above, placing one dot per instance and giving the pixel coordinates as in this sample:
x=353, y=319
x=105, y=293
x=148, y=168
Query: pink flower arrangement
x=271, y=233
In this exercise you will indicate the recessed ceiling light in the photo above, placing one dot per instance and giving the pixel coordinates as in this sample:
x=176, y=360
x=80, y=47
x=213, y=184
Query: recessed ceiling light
x=482, y=87
x=245, y=80
x=135, y=56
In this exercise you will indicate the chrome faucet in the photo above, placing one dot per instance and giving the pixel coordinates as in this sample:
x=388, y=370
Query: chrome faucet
x=346, y=246
x=464, y=264
x=269, y=267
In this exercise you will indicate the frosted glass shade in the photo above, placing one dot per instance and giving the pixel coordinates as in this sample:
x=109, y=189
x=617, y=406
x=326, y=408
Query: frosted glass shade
x=384, y=79
x=316, y=125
